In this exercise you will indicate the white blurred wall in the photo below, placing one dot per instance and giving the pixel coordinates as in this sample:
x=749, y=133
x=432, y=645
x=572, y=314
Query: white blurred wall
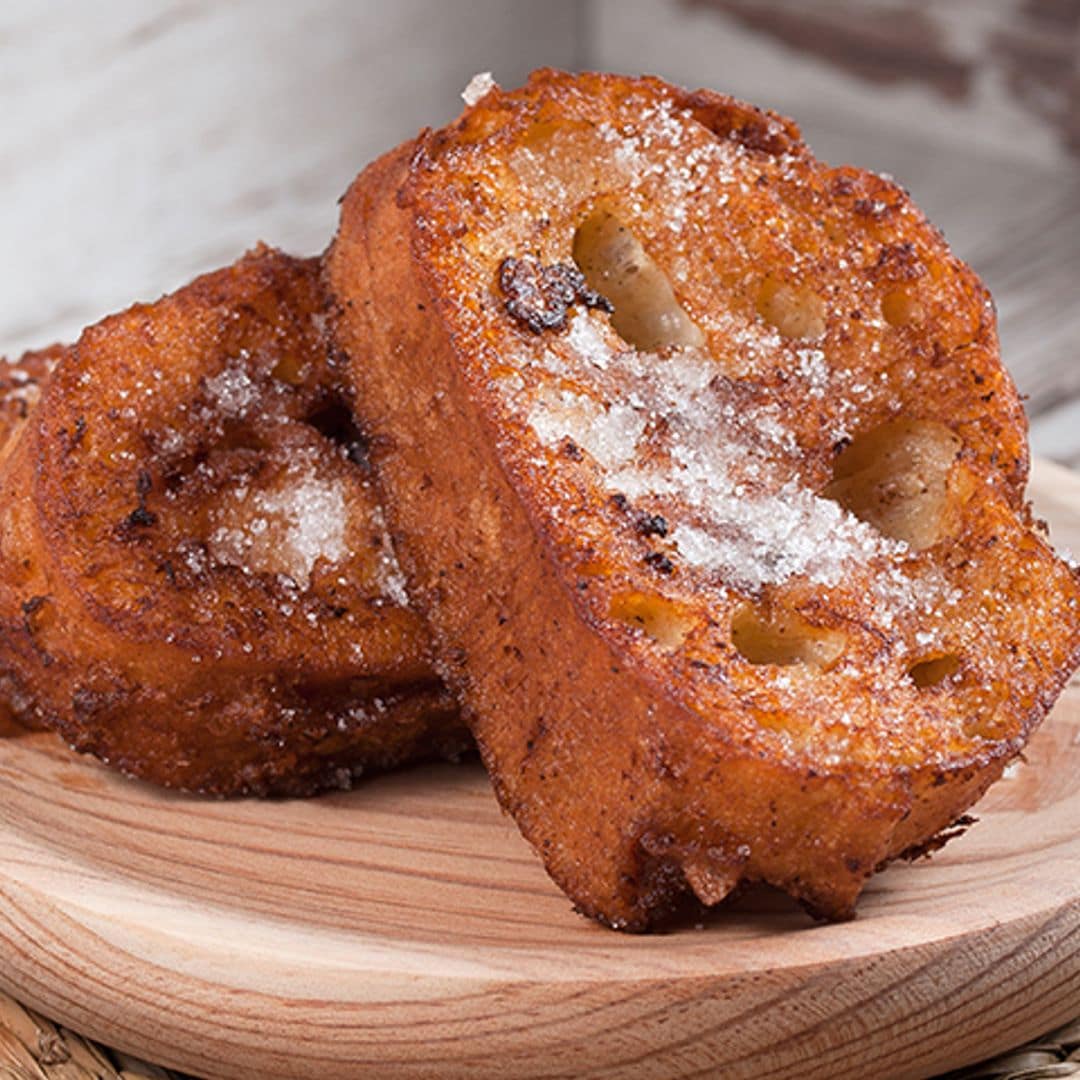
x=143, y=142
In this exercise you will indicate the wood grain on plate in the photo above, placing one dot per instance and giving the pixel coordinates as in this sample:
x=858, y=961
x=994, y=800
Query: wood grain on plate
x=405, y=930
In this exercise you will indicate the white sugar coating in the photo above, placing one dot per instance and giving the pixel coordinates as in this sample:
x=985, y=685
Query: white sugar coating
x=589, y=343
x=314, y=513
x=22, y=386
x=670, y=173
x=389, y=576
x=19, y=376
x=391, y=580
x=27, y=392
x=616, y=434
x=609, y=435
x=559, y=414
x=764, y=541
x=232, y=392
x=478, y=86
x=284, y=530
x=170, y=441
x=670, y=432
x=814, y=368
x=299, y=517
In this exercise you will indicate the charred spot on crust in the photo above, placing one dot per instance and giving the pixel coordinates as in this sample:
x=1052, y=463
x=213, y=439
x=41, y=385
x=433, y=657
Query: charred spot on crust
x=895, y=262
x=842, y=184
x=72, y=437
x=927, y=848
x=140, y=516
x=539, y=296
x=653, y=525
x=29, y=607
x=659, y=561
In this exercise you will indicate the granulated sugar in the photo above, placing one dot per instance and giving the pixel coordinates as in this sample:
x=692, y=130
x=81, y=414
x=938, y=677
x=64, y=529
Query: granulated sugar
x=389, y=578
x=233, y=392
x=285, y=528
x=670, y=433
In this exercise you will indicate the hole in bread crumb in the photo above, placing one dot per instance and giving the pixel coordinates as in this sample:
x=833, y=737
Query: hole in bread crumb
x=335, y=422
x=614, y=263
x=901, y=308
x=795, y=312
x=660, y=618
x=895, y=477
x=933, y=671
x=783, y=638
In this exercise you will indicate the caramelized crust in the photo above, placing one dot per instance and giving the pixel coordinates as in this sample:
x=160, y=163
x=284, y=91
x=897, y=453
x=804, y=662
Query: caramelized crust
x=737, y=582
x=195, y=581
x=21, y=383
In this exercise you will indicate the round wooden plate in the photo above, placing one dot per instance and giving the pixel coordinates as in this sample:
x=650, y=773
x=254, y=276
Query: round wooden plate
x=405, y=930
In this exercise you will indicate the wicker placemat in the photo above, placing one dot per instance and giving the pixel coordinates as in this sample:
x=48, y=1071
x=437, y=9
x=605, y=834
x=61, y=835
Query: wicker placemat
x=33, y=1048
x=1056, y=1053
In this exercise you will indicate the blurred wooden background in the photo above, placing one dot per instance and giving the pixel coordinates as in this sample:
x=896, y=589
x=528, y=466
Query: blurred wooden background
x=142, y=142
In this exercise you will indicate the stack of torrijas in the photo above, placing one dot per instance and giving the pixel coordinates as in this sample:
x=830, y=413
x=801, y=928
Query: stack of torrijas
x=699, y=461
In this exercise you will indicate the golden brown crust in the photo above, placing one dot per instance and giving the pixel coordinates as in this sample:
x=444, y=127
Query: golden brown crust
x=195, y=584
x=615, y=636
x=21, y=384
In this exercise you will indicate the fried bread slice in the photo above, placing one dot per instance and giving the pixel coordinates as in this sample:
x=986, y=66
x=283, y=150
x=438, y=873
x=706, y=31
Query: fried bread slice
x=21, y=384
x=701, y=460
x=195, y=581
